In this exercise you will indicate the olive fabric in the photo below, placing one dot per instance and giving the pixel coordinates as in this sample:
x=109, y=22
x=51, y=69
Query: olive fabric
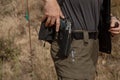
x=81, y=62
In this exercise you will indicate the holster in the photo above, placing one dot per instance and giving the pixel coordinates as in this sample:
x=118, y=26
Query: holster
x=63, y=37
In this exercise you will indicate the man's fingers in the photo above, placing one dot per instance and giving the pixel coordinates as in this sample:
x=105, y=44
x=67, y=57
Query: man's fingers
x=115, y=26
x=115, y=29
x=113, y=23
x=57, y=24
x=115, y=32
x=61, y=15
x=52, y=21
x=48, y=21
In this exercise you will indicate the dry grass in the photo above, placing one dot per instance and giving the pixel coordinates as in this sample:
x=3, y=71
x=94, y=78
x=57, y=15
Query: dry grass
x=39, y=65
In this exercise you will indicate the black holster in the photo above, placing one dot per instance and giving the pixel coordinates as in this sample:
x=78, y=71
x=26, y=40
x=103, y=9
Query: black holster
x=64, y=36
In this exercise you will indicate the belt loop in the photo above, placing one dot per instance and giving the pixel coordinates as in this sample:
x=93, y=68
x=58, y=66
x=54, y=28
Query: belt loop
x=95, y=35
x=86, y=37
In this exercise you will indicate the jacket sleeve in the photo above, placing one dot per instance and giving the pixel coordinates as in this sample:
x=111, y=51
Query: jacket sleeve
x=104, y=26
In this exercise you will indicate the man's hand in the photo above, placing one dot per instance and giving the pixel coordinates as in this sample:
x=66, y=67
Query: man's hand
x=115, y=26
x=52, y=13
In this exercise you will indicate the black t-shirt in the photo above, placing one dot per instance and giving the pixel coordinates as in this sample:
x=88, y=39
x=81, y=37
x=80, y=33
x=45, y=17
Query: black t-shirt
x=83, y=13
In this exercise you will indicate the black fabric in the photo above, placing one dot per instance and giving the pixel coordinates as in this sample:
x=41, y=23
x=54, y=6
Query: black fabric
x=48, y=33
x=104, y=25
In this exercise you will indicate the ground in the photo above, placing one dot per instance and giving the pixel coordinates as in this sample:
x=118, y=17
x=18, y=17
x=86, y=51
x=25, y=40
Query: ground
x=16, y=60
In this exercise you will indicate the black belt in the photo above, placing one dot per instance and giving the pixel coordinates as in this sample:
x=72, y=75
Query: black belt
x=80, y=35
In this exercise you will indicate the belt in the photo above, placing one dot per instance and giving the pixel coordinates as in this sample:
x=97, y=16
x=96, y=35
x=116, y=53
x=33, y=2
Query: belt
x=80, y=35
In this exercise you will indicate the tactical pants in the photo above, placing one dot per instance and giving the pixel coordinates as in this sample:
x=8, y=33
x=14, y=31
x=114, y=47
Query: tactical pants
x=78, y=66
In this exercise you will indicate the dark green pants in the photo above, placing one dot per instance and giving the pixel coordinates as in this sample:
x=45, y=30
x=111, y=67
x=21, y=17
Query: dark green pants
x=80, y=65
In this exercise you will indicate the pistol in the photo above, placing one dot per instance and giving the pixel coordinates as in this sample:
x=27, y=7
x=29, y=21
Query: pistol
x=65, y=37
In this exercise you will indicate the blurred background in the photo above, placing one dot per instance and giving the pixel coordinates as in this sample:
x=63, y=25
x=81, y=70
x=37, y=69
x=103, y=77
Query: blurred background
x=17, y=62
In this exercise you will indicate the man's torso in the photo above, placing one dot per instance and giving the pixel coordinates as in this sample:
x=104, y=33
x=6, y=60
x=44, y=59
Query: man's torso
x=83, y=13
